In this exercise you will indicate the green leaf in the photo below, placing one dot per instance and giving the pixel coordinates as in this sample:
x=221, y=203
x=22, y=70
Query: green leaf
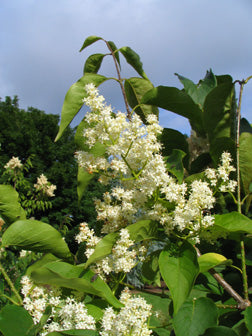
x=46, y=259
x=150, y=269
x=95, y=311
x=174, y=164
x=199, y=92
x=220, y=145
x=69, y=276
x=248, y=318
x=93, y=63
x=139, y=231
x=83, y=179
x=15, y=320
x=90, y=40
x=10, y=208
x=218, y=109
x=135, y=88
x=179, y=270
x=233, y=222
x=195, y=316
x=200, y=163
x=134, y=60
x=220, y=331
x=210, y=260
x=36, y=236
x=177, y=101
x=245, y=126
x=115, y=50
x=246, y=160
x=74, y=99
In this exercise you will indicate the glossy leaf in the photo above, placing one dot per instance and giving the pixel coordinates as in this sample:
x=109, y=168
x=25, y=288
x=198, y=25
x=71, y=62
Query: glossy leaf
x=195, y=316
x=10, y=208
x=177, y=101
x=198, y=92
x=179, y=270
x=210, y=260
x=74, y=99
x=90, y=40
x=218, y=109
x=37, y=236
x=93, y=63
x=174, y=164
x=220, y=331
x=134, y=60
x=246, y=160
x=15, y=320
x=248, y=318
x=234, y=222
x=135, y=88
x=69, y=276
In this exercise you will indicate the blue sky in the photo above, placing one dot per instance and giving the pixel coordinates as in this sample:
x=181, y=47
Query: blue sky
x=40, y=42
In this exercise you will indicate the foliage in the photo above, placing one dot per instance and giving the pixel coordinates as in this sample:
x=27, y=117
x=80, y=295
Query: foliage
x=175, y=208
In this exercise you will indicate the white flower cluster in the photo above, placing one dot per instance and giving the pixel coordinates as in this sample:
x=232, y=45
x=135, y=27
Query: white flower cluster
x=220, y=176
x=132, y=319
x=13, y=163
x=122, y=258
x=66, y=313
x=44, y=186
x=143, y=186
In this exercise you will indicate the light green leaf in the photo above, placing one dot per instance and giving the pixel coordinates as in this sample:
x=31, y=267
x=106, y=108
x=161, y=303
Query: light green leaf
x=65, y=275
x=134, y=60
x=90, y=40
x=210, y=260
x=177, y=101
x=15, y=321
x=135, y=88
x=83, y=179
x=46, y=259
x=93, y=63
x=75, y=332
x=195, y=316
x=139, y=231
x=10, y=208
x=179, y=270
x=199, y=92
x=74, y=99
x=234, y=222
x=37, y=236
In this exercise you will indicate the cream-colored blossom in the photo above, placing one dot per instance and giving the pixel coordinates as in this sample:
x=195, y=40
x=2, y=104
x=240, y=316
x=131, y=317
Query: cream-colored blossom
x=13, y=163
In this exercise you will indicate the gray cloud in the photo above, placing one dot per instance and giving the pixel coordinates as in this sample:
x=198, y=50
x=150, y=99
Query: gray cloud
x=40, y=39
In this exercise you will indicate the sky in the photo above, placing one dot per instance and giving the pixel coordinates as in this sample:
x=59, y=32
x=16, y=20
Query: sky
x=40, y=42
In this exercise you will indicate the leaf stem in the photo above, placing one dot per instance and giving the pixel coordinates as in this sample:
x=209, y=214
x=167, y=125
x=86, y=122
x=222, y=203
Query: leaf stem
x=120, y=81
x=10, y=283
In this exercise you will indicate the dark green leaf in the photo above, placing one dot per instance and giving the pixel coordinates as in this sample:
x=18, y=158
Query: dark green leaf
x=200, y=163
x=179, y=270
x=93, y=63
x=220, y=145
x=218, y=109
x=245, y=126
x=10, y=208
x=134, y=60
x=90, y=40
x=135, y=88
x=115, y=50
x=74, y=99
x=248, y=318
x=15, y=321
x=150, y=269
x=195, y=316
x=174, y=164
x=220, y=331
x=177, y=101
x=36, y=236
x=234, y=222
x=66, y=275
x=246, y=160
